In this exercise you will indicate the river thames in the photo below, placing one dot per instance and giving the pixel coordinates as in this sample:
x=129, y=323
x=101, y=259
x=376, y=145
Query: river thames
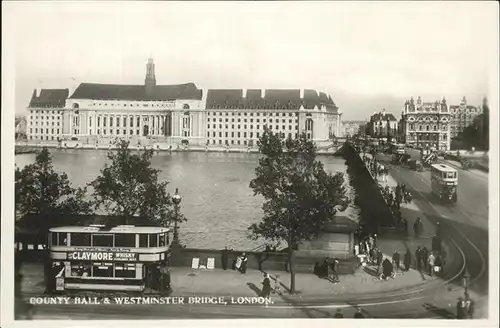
x=216, y=198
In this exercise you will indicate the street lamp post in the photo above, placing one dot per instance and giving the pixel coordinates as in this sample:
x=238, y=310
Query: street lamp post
x=176, y=199
x=465, y=282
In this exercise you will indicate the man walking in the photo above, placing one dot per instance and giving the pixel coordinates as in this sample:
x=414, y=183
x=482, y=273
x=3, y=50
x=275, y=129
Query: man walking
x=396, y=259
x=380, y=257
x=407, y=260
x=418, y=258
x=461, y=309
x=469, y=307
x=425, y=259
x=431, y=261
x=334, y=266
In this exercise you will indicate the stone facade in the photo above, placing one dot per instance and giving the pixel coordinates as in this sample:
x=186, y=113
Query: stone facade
x=462, y=116
x=181, y=114
x=425, y=124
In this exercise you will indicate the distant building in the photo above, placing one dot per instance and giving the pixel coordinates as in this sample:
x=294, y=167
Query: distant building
x=462, y=116
x=20, y=129
x=350, y=128
x=180, y=113
x=425, y=124
x=382, y=125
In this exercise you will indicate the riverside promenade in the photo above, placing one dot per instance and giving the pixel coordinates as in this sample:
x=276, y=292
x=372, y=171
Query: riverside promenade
x=149, y=145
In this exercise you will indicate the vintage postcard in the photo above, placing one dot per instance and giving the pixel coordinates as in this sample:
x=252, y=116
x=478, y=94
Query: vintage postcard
x=166, y=163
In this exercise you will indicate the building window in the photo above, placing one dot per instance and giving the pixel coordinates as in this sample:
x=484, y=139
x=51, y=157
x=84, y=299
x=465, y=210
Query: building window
x=239, y=134
x=137, y=131
x=104, y=121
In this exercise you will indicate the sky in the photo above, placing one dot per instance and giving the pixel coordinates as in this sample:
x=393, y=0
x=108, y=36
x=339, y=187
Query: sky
x=367, y=55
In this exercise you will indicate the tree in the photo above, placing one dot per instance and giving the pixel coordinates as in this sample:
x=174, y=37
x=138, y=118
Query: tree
x=300, y=197
x=486, y=125
x=129, y=187
x=46, y=196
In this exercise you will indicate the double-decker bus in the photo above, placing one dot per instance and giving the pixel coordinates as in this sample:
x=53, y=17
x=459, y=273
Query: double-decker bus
x=444, y=182
x=97, y=257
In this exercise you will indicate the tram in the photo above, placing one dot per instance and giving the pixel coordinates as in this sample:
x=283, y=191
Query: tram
x=444, y=182
x=102, y=258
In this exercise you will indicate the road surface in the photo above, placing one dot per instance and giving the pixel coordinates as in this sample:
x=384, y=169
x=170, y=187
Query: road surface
x=466, y=221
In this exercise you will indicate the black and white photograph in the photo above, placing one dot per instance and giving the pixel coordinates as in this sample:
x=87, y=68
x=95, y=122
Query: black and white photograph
x=198, y=160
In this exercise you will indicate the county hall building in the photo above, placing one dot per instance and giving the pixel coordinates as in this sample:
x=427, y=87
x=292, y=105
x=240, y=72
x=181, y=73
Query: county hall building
x=96, y=114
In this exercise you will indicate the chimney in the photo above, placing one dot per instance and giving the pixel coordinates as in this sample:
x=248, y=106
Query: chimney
x=244, y=93
x=301, y=93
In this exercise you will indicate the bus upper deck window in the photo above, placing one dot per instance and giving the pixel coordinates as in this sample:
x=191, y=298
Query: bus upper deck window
x=125, y=240
x=103, y=240
x=162, y=240
x=80, y=239
x=153, y=240
x=59, y=239
x=143, y=240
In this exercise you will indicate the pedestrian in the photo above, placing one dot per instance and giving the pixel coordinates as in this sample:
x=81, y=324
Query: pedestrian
x=225, y=257
x=431, y=260
x=405, y=225
x=396, y=258
x=244, y=261
x=237, y=264
x=418, y=258
x=359, y=314
x=266, y=286
x=372, y=255
x=371, y=240
x=407, y=260
x=438, y=265
x=380, y=257
x=461, y=314
x=469, y=307
x=425, y=258
x=374, y=239
x=334, y=267
x=338, y=314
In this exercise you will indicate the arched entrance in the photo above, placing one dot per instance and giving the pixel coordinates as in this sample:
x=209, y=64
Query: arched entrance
x=145, y=130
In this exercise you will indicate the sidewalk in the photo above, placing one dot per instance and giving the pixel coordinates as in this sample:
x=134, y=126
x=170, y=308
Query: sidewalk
x=189, y=282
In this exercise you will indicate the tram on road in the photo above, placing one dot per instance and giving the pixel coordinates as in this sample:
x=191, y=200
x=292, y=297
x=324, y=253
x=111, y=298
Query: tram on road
x=119, y=258
x=444, y=182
